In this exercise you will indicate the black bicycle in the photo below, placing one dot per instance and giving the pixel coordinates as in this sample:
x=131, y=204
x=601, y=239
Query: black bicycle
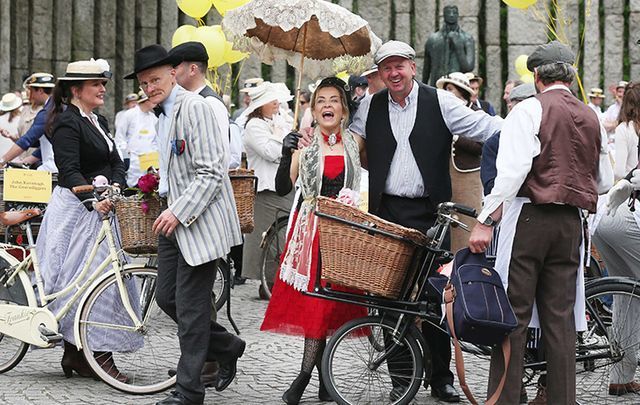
x=355, y=365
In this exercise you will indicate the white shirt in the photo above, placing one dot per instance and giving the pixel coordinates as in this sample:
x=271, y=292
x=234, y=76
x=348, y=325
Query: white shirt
x=162, y=130
x=597, y=109
x=404, y=178
x=263, y=143
x=612, y=113
x=46, y=150
x=626, y=149
x=11, y=127
x=519, y=144
x=136, y=135
x=94, y=120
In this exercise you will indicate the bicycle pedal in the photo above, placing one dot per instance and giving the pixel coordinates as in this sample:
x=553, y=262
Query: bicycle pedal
x=48, y=335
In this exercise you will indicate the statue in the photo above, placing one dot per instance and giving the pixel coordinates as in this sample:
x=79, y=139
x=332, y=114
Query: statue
x=448, y=50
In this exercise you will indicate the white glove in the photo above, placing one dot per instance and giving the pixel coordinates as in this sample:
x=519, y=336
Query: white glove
x=635, y=179
x=618, y=194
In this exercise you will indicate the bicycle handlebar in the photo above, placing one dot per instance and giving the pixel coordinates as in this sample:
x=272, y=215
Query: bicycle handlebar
x=82, y=189
x=459, y=208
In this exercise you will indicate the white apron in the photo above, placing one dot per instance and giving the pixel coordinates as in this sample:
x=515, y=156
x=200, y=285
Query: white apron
x=503, y=258
x=142, y=141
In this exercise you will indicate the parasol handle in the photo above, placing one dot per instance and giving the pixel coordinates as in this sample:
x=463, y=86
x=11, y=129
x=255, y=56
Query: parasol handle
x=296, y=112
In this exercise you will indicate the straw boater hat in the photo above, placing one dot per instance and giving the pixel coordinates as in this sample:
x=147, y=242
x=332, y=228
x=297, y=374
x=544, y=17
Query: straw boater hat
x=457, y=79
x=142, y=97
x=250, y=84
x=474, y=78
x=87, y=70
x=131, y=97
x=622, y=84
x=10, y=102
x=266, y=93
x=596, y=93
x=39, y=80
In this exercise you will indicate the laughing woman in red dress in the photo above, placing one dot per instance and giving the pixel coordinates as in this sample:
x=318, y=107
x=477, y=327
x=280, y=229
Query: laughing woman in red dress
x=331, y=162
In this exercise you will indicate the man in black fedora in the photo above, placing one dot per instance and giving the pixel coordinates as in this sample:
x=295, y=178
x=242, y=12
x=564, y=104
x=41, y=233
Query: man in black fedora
x=199, y=225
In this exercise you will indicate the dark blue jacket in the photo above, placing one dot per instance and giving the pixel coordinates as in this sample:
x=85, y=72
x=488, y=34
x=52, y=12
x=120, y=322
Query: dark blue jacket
x=488, y=171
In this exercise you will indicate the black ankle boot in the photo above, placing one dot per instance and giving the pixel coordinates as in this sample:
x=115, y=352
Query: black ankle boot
x=294, y=393
x=323, y=394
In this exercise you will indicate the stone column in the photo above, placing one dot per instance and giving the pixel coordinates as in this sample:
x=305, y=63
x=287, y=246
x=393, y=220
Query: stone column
x=426, y=15
x=378, y=14
x=82, y=29
x=20, y=28
x=41, y=37
x=62, y=35
x=403, y=21
x=125, y=47
x=634, y=36
x=592, y=57
x=5, y=45
x=168, y=22
x=493, y=82
x=105, y=48
x=613, y=44
x=525, y=34
x=146, y=23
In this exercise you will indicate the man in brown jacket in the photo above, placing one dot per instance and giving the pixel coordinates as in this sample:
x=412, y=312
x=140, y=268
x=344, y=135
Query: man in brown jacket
x=552, y=163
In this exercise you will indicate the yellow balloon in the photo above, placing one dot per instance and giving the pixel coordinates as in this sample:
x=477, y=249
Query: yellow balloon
x=195, y=8
x=521, y=65
x=527, y=77
x=232, y=56
x=183, y=34
x=214, y=41
x=225, y=5
x=520, y=3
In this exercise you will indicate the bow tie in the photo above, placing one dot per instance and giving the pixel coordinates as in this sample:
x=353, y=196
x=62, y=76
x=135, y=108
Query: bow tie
x=157, y=110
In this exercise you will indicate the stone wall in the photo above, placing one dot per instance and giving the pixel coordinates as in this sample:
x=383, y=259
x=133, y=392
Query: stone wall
x=44, y=35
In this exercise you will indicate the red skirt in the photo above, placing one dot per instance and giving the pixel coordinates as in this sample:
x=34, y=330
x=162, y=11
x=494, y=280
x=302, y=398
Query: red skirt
x=292, y=313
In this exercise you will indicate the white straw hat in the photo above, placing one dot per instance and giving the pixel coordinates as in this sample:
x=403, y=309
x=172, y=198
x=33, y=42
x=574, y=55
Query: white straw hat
x=458, y=79
x=10, y=102
x=266, y=93
x=87, y=70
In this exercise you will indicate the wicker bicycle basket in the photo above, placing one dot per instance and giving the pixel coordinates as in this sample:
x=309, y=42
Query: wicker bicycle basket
x=136, y=226
x=356, y=258
x=244, y=185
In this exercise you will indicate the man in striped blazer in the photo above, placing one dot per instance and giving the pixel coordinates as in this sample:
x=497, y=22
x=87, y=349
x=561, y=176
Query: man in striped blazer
x=199, y=226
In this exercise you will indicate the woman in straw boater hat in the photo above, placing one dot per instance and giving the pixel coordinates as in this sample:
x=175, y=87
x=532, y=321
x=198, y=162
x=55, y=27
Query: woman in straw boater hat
x=263, y=143
x=84, y=150
x=464, y=167
x=330, y=163
x=10, y=108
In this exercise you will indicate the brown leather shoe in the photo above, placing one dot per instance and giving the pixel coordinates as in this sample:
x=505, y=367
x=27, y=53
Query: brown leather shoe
x=621, y=389
x=541, y=396
x=105, y=360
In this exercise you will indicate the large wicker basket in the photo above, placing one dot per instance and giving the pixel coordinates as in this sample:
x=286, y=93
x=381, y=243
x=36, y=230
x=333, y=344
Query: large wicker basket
x=244, y=185
x=136, y=226
x=354, y=257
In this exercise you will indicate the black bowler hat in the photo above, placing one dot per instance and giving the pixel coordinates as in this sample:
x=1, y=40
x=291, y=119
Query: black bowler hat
x=151, y=56
x=191, y=51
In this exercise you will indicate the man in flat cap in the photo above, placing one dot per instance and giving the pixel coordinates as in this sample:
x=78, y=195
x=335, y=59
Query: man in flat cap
x=552, y=163
x=408, y=130
x=199, y=225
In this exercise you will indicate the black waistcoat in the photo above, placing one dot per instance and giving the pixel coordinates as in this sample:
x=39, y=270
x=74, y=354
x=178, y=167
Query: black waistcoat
x=430, y=142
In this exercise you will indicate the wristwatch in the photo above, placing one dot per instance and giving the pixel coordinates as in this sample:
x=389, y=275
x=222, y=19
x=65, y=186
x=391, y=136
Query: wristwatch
x=489, y=221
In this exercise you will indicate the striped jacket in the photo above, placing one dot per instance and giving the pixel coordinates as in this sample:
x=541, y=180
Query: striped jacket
x=200, y=193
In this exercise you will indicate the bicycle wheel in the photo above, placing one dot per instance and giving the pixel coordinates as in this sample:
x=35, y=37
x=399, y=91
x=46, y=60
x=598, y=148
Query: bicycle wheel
x=355, y=371
x=12, y=350
x=220, y=284
x=271, y=252
x=607, y=351
x=109, y=339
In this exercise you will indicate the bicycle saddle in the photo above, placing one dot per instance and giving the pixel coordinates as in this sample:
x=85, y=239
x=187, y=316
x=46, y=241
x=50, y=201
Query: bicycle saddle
x=9, y=218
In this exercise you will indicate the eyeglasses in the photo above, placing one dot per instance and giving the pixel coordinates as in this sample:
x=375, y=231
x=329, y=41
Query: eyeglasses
x=153, y=82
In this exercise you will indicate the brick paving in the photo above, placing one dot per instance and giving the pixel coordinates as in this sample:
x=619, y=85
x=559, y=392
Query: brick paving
x=264, y=372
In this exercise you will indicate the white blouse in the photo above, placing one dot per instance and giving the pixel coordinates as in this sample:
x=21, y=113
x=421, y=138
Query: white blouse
x=626, y=147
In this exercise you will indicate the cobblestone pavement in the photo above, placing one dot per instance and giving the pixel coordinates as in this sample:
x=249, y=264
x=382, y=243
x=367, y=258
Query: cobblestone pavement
x=265, y=371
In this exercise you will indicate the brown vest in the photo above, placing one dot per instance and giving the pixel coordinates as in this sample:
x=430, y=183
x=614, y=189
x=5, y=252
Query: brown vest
x=567, y=168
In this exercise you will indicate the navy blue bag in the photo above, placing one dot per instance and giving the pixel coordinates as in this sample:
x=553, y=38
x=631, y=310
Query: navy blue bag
x=477, y=311
x=482, y=313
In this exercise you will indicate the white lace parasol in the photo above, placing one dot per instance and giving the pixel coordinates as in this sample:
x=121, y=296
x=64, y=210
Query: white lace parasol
x=316, y=36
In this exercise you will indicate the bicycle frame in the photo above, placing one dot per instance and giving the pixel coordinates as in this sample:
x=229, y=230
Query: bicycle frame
x=81, y=283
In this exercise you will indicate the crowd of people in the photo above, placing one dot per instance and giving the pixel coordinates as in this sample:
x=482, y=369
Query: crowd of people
x=421, y=145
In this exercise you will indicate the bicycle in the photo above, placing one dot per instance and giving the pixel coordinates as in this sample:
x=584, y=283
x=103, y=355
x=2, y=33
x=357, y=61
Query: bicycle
x=355, y=364
x=125, y=293
x=272, y=245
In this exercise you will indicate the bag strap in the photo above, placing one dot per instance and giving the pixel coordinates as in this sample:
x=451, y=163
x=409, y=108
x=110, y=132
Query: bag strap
x=449, y=297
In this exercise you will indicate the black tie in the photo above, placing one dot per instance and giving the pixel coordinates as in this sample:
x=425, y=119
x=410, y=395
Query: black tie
x=157, y=110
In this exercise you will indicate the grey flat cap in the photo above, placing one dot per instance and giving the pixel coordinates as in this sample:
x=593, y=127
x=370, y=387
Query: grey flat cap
x=394, y=48
x=553, y=52
x=522, y=91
